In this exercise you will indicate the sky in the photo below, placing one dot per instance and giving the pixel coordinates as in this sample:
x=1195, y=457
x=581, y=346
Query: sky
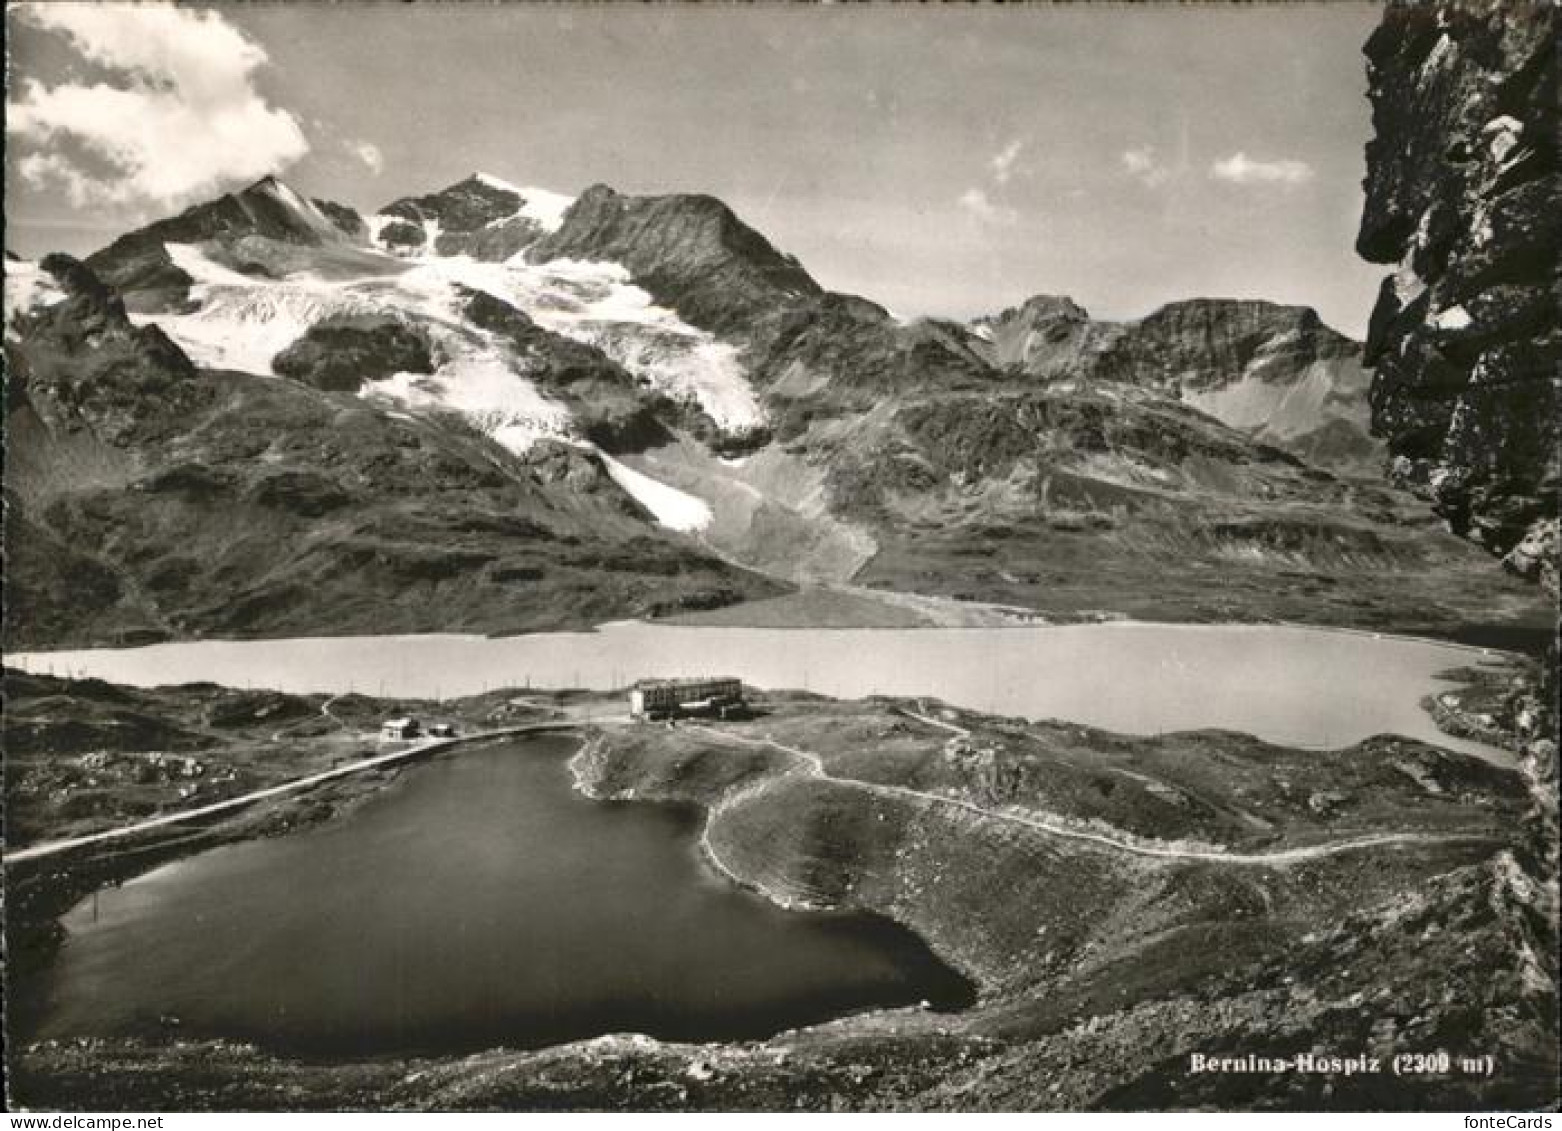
x=939, y=160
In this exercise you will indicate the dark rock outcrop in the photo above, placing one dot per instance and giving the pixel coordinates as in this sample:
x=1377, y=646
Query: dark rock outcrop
x=81, y=363
x=340, y=354
x=1462, y=195
x=612, y=407
x=345, y=218
x=689, y=251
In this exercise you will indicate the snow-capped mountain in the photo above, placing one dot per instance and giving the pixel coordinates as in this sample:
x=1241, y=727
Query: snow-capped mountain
x=375, y=403
x=482, y=216
x=251, y=293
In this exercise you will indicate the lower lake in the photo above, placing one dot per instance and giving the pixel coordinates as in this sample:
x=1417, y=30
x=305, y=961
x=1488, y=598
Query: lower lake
x=477, y=902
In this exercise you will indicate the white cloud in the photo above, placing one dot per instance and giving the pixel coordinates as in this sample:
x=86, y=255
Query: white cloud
x=1144, y=165
x=978, y=204
x=180, y=118
x=370, y=155
x=1003, y=161
x=1240, y=169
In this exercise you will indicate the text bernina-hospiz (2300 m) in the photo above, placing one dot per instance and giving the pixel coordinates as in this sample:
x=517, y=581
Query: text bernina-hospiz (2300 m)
x=1404, y=1064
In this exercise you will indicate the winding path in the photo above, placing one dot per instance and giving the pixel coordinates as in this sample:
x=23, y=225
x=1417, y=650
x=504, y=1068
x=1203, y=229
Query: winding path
x=1122, y=843
x=325, y=709
x=816, y=768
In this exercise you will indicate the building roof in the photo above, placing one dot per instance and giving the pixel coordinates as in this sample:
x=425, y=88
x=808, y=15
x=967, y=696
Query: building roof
x=403, y=722
x=685, y=681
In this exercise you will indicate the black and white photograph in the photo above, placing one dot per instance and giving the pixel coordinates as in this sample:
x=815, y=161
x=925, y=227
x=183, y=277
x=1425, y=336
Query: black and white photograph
x=781, y=558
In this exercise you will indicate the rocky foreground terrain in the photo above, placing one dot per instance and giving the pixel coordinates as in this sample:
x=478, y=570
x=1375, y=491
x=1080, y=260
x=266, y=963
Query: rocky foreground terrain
x=1120, y=903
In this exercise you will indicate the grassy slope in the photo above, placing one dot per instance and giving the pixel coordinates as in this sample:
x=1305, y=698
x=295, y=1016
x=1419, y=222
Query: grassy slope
x=280, y=510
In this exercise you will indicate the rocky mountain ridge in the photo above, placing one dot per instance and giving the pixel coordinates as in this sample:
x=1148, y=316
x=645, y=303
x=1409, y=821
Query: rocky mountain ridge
x=148, y=498
x=139, y=266
x=1276, y=372
x=651, y=372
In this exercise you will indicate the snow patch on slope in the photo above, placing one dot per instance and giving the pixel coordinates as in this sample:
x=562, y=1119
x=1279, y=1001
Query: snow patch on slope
x=541, y=206
x=1285, y=411
x=1451, y=318
x=674, y=509
x=491, y=396
x=28, y=287
x=595, y=303
x=243, y=322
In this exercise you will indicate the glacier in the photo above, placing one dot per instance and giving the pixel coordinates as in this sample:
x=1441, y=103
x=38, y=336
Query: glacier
x=241, y=321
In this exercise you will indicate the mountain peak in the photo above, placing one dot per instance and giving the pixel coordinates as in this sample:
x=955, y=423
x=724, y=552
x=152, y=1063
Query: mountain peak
x=494, y=182
x=139, y=266
x=272, y=187
x=306, y=211
x=483, y=216
x=689, y=250
x=1039, y=308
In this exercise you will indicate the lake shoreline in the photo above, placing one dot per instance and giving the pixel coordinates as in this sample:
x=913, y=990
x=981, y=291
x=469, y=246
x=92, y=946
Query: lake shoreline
x=749, y=1064
x=584, y=780
x=1291, y=684
x=1526, y=639
x=659, y=945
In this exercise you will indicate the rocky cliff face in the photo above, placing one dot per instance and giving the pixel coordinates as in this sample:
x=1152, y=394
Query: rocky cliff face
x=1201, y=342
x=82, y=365
x=1462, y=198
x=1274, y=372
x=691, y=252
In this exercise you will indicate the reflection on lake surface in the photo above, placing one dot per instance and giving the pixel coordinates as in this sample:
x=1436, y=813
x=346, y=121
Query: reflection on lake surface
x=475, y=903
x=1292, y=685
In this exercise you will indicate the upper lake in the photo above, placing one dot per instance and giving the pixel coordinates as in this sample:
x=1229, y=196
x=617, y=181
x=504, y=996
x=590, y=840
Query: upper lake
x=1287, y=684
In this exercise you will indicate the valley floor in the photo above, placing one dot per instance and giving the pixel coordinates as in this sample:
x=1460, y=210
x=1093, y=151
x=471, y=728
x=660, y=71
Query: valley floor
x=1121, y=903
